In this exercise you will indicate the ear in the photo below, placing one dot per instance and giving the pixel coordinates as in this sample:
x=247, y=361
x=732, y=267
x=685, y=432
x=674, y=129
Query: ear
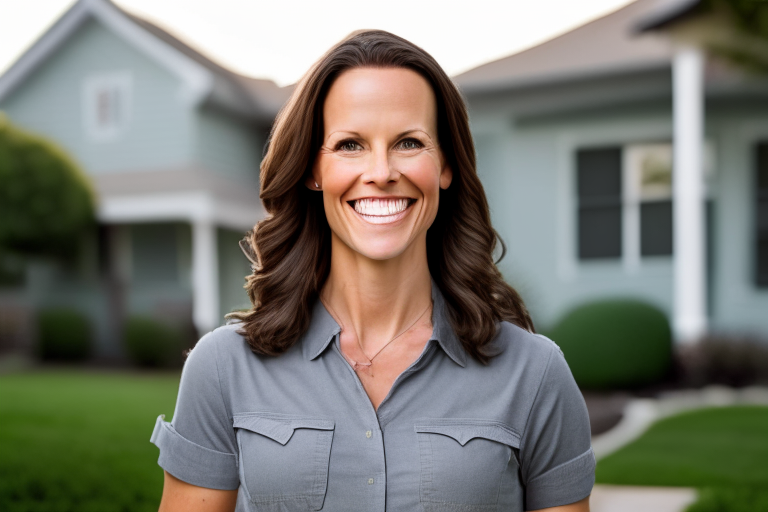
x=446, y=176
x=312, y=182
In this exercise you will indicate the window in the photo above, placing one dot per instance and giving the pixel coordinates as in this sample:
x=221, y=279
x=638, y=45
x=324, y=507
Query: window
x=599, y=186
x=761, y=215
x=624, y=201
x=107, y=105
x=649, y=169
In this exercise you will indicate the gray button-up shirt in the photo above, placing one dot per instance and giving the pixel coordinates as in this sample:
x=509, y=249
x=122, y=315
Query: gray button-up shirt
x=298, y=432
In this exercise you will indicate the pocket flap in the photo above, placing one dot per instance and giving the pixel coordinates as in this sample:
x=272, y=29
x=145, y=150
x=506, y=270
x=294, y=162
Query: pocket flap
x=278, y=427
x=464, y=430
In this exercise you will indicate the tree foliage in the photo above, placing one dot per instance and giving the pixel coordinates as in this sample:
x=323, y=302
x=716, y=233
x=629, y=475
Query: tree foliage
x=46, y=201
x=747, y=44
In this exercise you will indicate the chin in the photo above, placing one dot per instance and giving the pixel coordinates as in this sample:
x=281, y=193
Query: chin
x=379, y=250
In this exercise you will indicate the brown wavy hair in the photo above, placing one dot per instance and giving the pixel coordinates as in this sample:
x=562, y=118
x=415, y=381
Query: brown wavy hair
x=290, y=250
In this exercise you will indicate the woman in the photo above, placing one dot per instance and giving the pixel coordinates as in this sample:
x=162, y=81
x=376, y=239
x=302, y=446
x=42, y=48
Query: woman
x=385, y=363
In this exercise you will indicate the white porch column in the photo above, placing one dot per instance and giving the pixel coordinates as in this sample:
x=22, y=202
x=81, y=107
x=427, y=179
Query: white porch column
x=690, y=320
x=205, y=276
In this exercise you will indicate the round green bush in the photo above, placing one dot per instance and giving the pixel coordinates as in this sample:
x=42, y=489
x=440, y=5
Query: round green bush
x=151, y=343
x=63, y=335
x=620, y=343
x=46, y=200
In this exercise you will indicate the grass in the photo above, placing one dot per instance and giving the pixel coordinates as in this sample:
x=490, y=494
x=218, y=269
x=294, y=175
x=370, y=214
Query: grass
x=79, y=441
x=724, y=446
x=731, y=499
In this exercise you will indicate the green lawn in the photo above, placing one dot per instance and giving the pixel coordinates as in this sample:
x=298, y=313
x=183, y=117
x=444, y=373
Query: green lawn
x=707, y=447
x=79, y=441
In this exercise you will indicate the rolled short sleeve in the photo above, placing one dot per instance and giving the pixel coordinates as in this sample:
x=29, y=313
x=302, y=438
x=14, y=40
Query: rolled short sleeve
x=557, y=462
x=199, y=446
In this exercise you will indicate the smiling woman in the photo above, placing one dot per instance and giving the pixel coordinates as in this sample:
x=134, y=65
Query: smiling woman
x=385, y=363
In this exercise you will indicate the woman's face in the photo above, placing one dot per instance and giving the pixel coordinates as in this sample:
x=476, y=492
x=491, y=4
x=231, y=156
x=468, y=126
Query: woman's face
x=380, y=168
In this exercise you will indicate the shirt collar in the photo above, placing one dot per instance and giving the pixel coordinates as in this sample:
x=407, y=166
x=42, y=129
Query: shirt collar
x=323, y=328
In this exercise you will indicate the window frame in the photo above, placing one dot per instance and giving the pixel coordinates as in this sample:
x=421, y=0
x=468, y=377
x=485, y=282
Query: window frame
x=120, y=82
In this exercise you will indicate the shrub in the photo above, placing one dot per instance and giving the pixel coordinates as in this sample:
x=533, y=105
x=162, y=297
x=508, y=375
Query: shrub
x=152, y=343
x=46, y=200
x=619, y=343
x=63, y=335
x=727, y=360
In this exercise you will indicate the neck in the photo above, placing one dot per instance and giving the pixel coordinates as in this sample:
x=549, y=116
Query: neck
x=377, y=299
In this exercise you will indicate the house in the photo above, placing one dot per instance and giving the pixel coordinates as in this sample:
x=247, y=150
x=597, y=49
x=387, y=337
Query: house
x=172, y=142
x=575, y=147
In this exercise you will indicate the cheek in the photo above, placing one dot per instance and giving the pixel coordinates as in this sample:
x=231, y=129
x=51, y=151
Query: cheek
x=423, y=172
x=337, y=177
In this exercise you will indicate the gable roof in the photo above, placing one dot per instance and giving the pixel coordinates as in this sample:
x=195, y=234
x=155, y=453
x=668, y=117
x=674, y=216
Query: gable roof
x=207, y=81
x=604, y=46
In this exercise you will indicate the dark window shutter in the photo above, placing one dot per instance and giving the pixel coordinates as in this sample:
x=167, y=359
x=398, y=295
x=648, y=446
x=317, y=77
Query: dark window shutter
x=656, y=228
x=761, y=216
x=599, y=202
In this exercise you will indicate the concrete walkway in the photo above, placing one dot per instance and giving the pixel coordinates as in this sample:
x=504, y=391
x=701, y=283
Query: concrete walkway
x=639, y=415
x=620, y=498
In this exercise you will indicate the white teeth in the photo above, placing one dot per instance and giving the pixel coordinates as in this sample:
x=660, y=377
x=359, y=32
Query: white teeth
x=380, y=207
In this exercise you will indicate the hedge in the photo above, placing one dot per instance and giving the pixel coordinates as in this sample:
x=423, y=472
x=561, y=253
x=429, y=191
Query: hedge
x=152, y=343
x=618, y=343
x=63, y=335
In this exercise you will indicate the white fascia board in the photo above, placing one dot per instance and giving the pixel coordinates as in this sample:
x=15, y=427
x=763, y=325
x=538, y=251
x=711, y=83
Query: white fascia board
x=43, y=48
x=198, y=79
x=178, y=206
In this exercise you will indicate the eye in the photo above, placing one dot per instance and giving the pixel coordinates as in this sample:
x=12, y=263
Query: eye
x=348, y=146
x=410, y=144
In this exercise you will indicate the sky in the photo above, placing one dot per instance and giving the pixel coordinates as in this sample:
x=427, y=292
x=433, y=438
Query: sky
x=280, y=39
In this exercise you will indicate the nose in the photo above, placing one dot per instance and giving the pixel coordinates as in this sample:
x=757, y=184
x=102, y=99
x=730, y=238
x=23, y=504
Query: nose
x=380, y=169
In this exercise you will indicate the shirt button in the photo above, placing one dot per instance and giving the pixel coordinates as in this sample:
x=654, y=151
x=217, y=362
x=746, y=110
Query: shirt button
x=370, y=481
x=368, y=434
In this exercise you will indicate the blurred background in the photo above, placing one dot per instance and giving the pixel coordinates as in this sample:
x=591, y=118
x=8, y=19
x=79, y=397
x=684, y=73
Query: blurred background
x=131, y=134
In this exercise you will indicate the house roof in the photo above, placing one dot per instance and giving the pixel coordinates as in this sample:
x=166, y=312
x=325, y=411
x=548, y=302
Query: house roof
x=608, y=45
x=249, y=97
x=266, y=95
x=669, y=14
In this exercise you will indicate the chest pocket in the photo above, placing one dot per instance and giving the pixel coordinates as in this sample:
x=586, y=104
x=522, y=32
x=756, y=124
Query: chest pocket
x=283, y=460
x=467, y=464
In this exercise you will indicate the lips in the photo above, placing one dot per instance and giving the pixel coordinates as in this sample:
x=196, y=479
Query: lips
x=381, y=210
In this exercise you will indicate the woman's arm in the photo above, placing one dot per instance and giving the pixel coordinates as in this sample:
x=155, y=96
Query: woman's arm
x=179, y=496
x=579, y=506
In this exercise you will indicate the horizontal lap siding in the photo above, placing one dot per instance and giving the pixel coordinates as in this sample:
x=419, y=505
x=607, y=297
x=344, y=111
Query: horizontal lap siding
x=228, y=146
x=159, y=133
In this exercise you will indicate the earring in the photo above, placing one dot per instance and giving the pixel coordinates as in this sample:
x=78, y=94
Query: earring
x=316, y=185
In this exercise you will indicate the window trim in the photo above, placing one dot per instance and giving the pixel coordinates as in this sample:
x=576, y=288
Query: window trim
x=121, y=81
x=568, y=142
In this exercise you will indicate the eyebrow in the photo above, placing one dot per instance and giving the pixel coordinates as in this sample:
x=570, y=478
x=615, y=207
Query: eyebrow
x=399, y=135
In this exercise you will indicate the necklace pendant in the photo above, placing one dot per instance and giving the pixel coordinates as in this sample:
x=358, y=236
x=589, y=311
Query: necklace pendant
x=356, y=366
x=360, y=366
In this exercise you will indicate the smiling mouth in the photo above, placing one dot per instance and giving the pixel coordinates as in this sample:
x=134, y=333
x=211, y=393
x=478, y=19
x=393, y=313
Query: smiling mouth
x=381, y=211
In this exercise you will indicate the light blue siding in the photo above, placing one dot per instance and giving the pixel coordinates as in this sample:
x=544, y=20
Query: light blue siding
x=738, y=304
x=229, y=146
x=50, y=101
x=234, y=267
x=527, y=165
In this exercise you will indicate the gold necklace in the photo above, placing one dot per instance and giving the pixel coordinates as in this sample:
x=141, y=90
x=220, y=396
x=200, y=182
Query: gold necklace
x=356, y=365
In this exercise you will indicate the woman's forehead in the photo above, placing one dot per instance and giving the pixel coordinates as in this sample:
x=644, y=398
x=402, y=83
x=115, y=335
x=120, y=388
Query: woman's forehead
x=361, y=97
